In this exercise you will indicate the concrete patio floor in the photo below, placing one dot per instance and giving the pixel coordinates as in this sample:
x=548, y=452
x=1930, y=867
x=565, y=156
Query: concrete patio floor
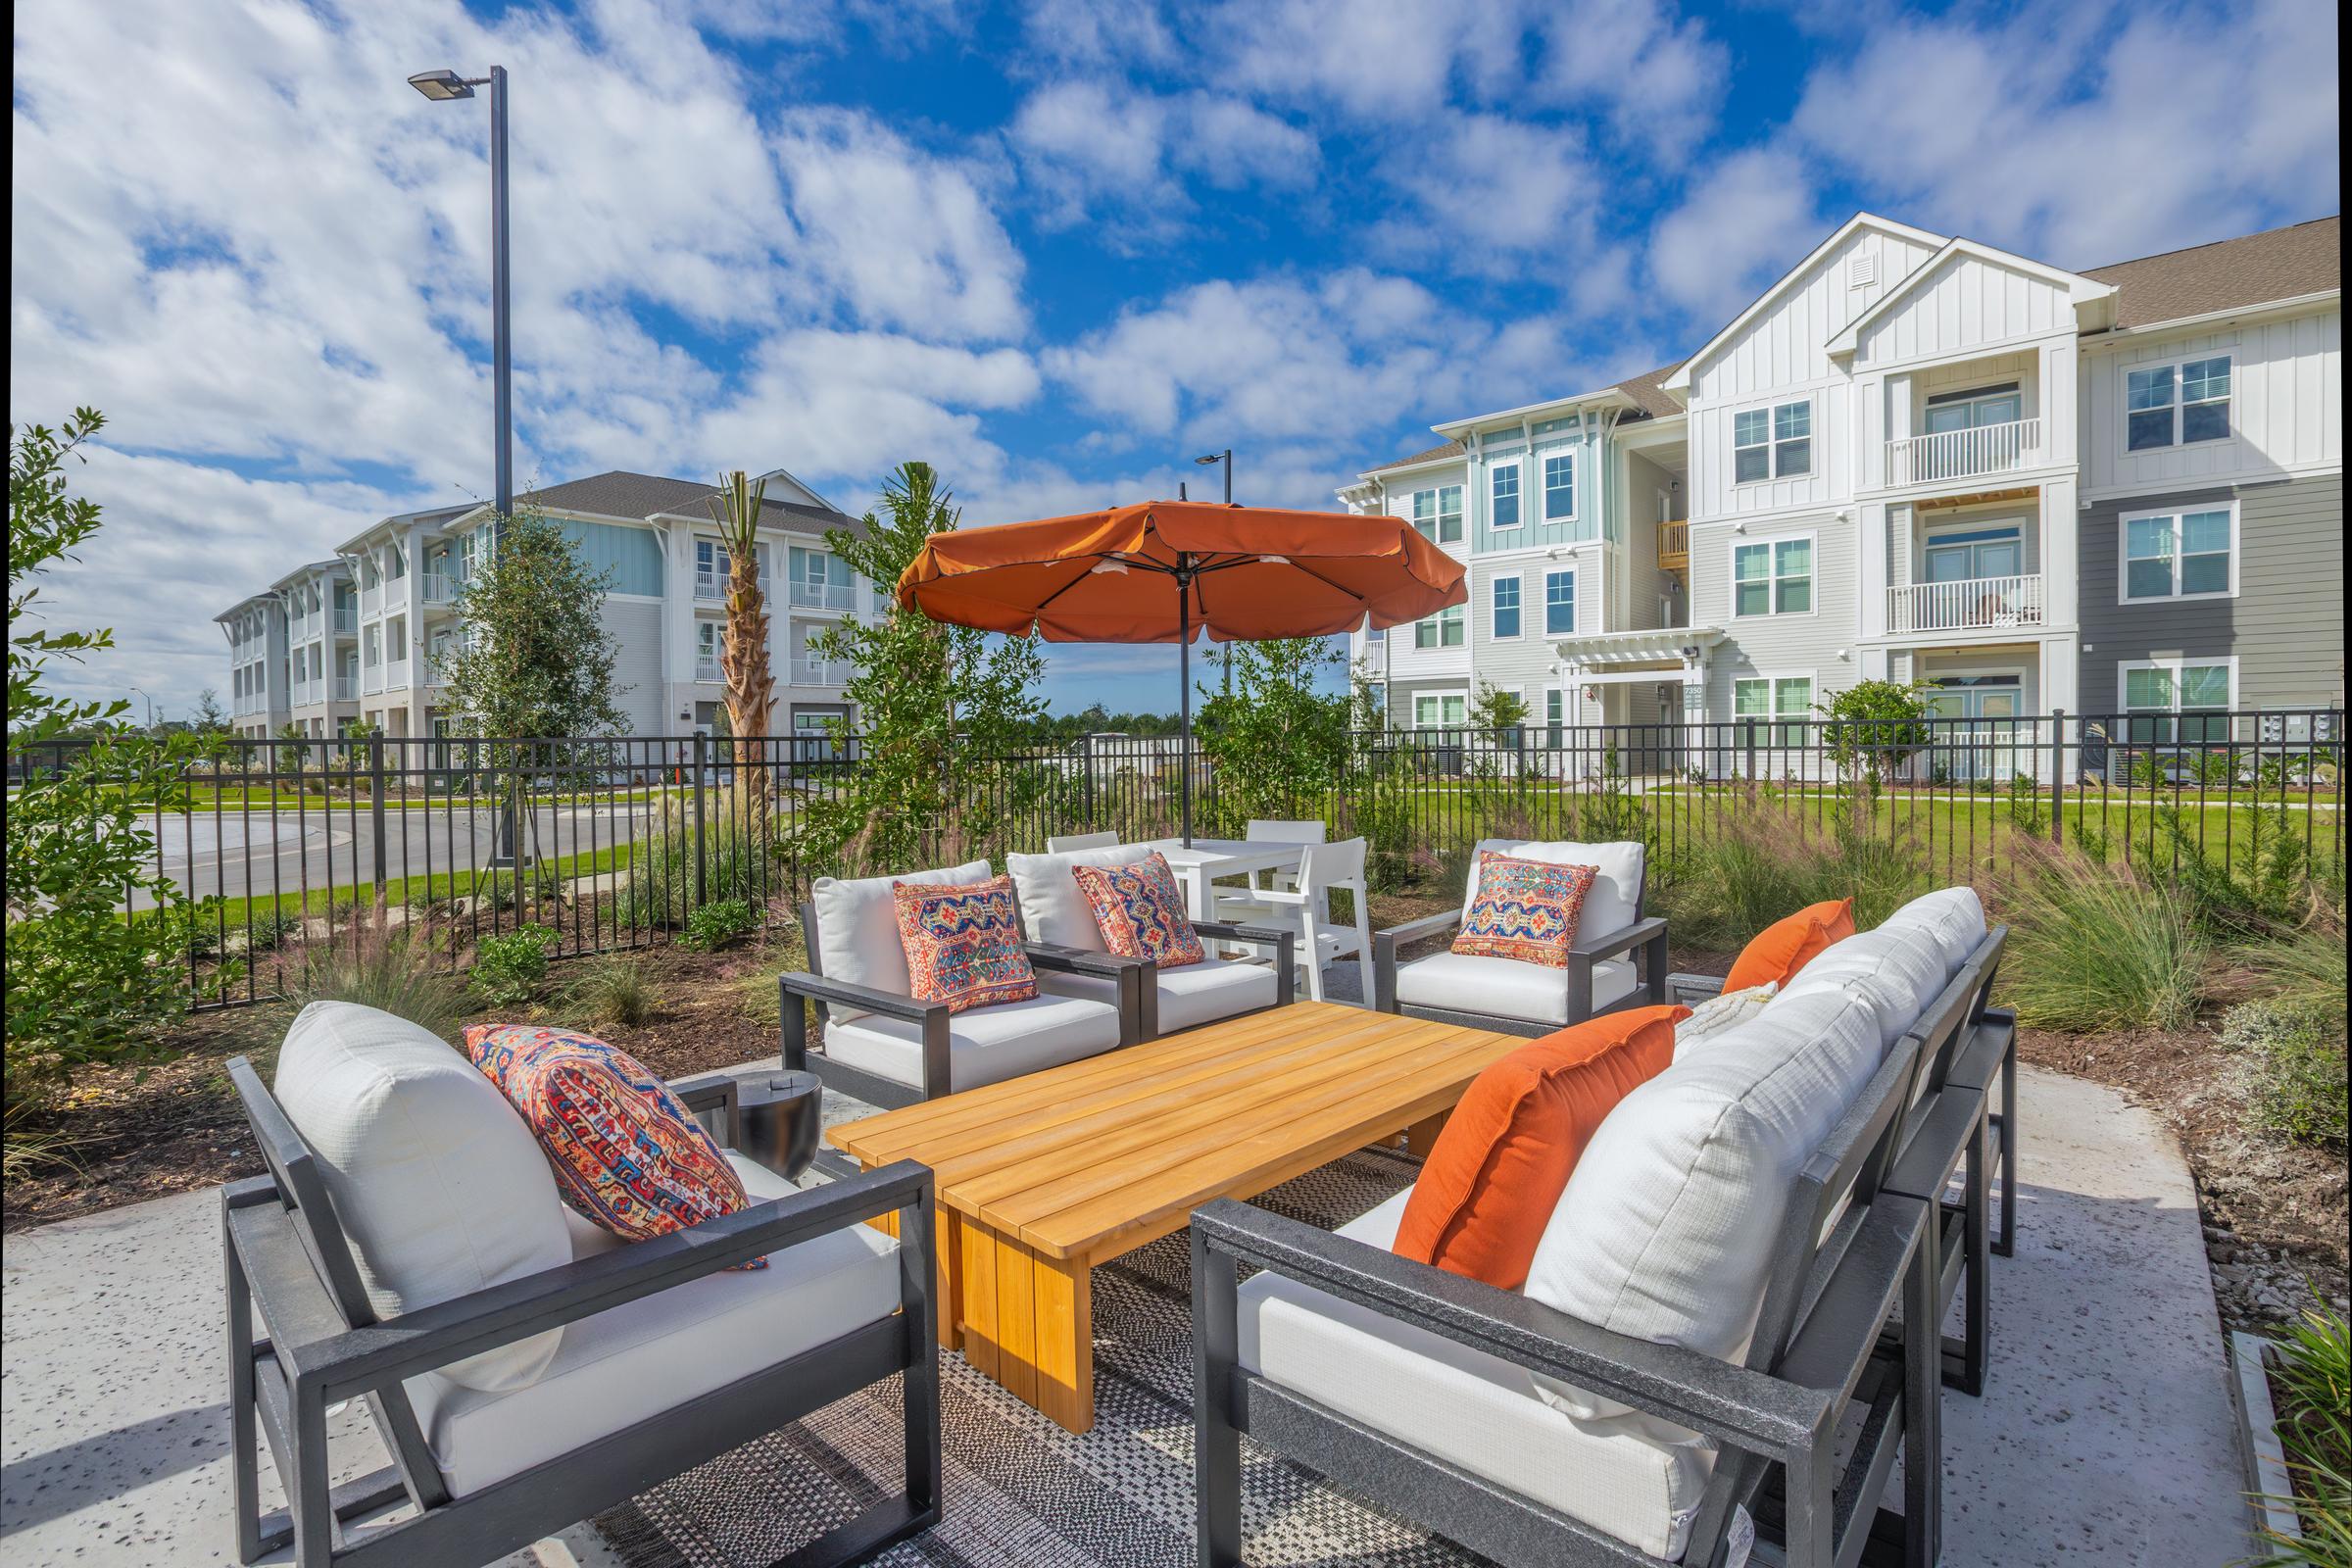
x=2105, y=1434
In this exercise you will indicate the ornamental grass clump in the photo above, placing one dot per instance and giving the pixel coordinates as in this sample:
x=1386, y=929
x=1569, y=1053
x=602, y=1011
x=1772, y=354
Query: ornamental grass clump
x=1762, y=864
x=404, y=969
x=2312, y=1377
x=2094, y=946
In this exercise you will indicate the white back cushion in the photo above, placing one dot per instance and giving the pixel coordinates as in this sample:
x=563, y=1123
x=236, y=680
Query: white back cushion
x=1954, y=916
x=1616, y=889
x=857, y=929
x=435, y=1177
x=1896, y=971
x=1052, y=909
x=1666, y=1229
x=1724, y=1011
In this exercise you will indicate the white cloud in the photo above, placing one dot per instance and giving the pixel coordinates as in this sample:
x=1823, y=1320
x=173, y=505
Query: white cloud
x=1130, y=153
x=1494, y=192
x=1747, y=220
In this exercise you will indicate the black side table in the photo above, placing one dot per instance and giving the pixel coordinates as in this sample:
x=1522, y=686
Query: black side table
x=779, y=1120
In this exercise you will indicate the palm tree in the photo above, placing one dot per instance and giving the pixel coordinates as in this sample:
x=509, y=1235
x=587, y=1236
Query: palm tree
x=743, y=655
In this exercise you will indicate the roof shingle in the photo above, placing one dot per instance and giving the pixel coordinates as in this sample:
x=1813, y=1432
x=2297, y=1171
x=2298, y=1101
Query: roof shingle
x=2278, y=264
x=621, y=494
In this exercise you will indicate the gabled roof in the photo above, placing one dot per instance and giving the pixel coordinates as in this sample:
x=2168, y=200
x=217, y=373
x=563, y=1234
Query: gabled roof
x=245, y=604
x=2080, y=291
x=622, y=494
x=338, y=564
x=2278, y=264
x=1640, y=395
x=1451, y=449
x=1679, y=380
x=1650, y=394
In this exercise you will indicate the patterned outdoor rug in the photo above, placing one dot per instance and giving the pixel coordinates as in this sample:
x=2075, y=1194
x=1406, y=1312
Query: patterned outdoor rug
x=1020, y=1490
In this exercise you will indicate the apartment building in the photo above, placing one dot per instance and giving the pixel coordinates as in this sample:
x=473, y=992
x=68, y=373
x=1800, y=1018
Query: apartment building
x=371, y=627
x=258, y=668
x=2116, y=492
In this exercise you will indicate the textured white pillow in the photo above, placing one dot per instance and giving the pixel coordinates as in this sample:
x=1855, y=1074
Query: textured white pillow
x=1722, y=1012
x=1896, y=971
x=857, y=929
x=437, y=1181
x=1954, y=916
x=1053, y=908
x=1666, y=1229
x=1616, y=887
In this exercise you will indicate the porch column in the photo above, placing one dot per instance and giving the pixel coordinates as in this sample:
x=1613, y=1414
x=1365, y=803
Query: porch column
x=2061, y=534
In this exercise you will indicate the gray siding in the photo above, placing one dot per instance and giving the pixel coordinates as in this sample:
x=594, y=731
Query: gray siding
x=636, y=626
x=1777, y=644
x=2286, y=626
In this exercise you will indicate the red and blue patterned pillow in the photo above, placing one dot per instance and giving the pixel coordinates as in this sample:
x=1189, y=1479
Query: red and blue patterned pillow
x=1140, y=911
x=626, y=1152
x=1525, y=910
x=963, y=943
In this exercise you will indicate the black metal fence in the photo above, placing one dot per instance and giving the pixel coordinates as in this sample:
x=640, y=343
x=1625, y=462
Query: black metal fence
x=290, y=846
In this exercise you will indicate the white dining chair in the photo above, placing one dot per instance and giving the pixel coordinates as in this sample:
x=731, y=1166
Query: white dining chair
x=1306, y=908
x=1269, y=830
x=1069, y=842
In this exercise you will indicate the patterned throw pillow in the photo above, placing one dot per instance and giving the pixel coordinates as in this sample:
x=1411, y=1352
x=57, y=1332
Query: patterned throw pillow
x=1140, y=911
x=626, y=1152
x=963, y=943
x=1525, y=910
x=1723, y=1012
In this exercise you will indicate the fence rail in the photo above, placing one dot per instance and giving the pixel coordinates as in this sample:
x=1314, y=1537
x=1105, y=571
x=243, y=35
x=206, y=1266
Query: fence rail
x=290, y=846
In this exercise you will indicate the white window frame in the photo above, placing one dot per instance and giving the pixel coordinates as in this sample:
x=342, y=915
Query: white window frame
x=1461, y=694
x=1568, y=573
x=2122, y=553
x=1518, y=582
x=2178, y=405
x=1555, y=725
x=1438, y=513
x=1547, y=460
x=1776, y=725
x=1773, y=442
x=1495, y=473
x=1438, y=623
x=1772, y=578
x=2173, y=666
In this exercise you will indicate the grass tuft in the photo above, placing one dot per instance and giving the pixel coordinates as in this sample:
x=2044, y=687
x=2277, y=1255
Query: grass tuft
x=403, y=969
x=2092, y=946
x=617, y=992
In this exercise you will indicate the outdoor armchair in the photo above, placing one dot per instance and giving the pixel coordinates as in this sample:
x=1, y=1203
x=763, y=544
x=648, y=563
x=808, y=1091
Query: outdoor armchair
x=1617, y=960
x=639, y=1360
x=885, y=1047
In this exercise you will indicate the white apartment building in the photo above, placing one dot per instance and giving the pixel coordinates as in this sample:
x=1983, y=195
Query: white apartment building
x=258, y=668
x=1921, y=458
x=321, y=606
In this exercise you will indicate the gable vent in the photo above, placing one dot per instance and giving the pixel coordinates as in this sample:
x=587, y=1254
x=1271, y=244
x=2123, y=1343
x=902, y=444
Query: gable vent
x=1861, y=271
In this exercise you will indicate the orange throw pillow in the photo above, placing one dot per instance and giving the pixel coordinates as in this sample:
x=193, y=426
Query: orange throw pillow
x=1787, y=946
x=1489, y=1187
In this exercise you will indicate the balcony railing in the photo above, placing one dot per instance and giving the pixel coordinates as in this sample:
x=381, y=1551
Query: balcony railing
x=441, y=587
x=713, y=584
x=807, y=671
x=371, y=599
x=823, y=596
x=707, y=669
x=1674, y=546
x=347, y=688
x=396, y=675
x=1972, y=604
x=347, y=621
x=1964, y=453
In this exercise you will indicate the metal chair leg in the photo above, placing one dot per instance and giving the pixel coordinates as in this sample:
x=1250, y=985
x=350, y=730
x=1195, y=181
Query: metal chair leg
x=1216, y=1443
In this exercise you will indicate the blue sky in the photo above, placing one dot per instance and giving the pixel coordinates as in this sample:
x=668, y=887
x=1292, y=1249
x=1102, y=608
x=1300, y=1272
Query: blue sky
x=1055, y=249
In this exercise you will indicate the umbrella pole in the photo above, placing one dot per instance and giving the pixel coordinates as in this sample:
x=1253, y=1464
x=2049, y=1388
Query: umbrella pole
x=1184, y=677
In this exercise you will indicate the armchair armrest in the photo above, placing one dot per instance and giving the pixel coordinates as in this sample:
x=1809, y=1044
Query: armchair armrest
x=1650, y=928
x=714, y=1091
x=1138, y=994
x=1687, y=988
x=1647, y=935
x=363, y=1358
x=1736, y=1404
x=933, y=1016
x=1282, y=946
x=1384, y=951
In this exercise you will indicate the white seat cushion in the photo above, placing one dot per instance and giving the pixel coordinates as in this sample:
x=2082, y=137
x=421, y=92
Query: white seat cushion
x=857, y=929
x=1666, y=1228
x=1616, y=892
x=661, y=1351
x=1722, y=1012
x=436, y=1179
x=1505, y=988
x=1894, y=971
x=1053, y=908
x=1193, y=993
x=1955, y=916
x=985, y=1046
x=1467, y=1407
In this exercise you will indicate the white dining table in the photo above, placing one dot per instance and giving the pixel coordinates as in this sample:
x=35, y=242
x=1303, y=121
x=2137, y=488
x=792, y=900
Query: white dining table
x=1199, y=863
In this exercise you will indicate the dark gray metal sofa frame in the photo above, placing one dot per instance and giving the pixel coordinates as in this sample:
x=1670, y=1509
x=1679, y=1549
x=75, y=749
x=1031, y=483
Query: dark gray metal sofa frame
x=289, y=1258
x=1817, y=1355
x=1138, y=1007
x=1644, y=938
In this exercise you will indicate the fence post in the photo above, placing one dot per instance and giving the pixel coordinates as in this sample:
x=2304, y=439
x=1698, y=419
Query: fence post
x=376, y=795
x=1085, y=766
x=702, y=859
x=2057, y=775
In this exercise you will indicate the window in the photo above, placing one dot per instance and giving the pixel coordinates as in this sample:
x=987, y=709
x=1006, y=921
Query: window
x=1972, y=411
x=1438, y=513
x=1771, y=709
x=2174, y=405
x=1559, y=604
x=2188, y=554
x=1774, y=443
x=1445, y=629
x=1504, y=489
x=2178, y=702
x=1441, y=710
x=1774, y=577
x=1559, y=487
x=706, y=648
x=1506, y=607
x=1556, y=714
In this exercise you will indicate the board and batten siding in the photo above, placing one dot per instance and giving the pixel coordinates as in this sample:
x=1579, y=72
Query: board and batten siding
x=2285, y=625
x=2286, y=406
x=1966, y=302
x=1777, y=644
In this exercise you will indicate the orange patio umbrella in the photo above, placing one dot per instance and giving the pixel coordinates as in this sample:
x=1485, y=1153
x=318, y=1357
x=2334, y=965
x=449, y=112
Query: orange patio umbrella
x=1162, y=571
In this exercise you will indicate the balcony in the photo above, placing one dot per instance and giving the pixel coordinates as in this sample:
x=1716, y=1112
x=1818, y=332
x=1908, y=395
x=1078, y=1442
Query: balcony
x=1985, y=449
x=707, y=669
x=371, y=601
x=807, y=671
x=347, y=621
x=1674, y=546
x=1972, y=604
x=824, y=596
x=396, y=676
x=442, y=587
x=347, y=688
x=712, y=586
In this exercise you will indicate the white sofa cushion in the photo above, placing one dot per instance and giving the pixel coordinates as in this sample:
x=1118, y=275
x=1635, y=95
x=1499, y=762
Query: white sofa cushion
x=1955, y=916
x=1724, y=1011
x=1616, y=892
x=1469, y=1408
x=1666, y=1228
x=857, y=929
x=1505, y=988
x=434, y=1176
x=1053, y=908
x=985, y=1046
x=1896, y=971
x=661, y=1351
x=1192, y=995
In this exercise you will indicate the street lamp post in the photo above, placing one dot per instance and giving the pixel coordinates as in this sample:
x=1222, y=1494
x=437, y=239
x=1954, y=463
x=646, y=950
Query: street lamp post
x=443, y=86
x=1225, y=655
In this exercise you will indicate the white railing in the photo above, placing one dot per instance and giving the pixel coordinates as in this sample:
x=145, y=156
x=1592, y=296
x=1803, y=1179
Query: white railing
x=806, y=671
x=347, y=688
x=712, y=585
x=823, y=596
x=347, y=619
x=371, y=599
x=396, y=675
x=707, y=669
x=1964, y=453
x=1971, y=604
x=441, y=587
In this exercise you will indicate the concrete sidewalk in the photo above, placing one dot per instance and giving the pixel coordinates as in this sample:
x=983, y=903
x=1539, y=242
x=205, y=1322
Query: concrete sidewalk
x=2105, y=1434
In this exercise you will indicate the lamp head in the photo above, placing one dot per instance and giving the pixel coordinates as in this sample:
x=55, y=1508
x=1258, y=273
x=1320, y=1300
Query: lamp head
x=441, y=85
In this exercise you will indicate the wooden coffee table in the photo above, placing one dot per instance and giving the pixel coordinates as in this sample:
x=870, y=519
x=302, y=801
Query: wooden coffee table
x=1043, y=1177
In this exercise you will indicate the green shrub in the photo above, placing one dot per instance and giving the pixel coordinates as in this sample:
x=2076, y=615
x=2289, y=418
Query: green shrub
x=404, y=969
x=508, y=968
x=273, y=928
x=739, y=861
x=617, y=991
x=719, y=922
x=2094, y=946
x=2296, y=1049
x=2313, y=1376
